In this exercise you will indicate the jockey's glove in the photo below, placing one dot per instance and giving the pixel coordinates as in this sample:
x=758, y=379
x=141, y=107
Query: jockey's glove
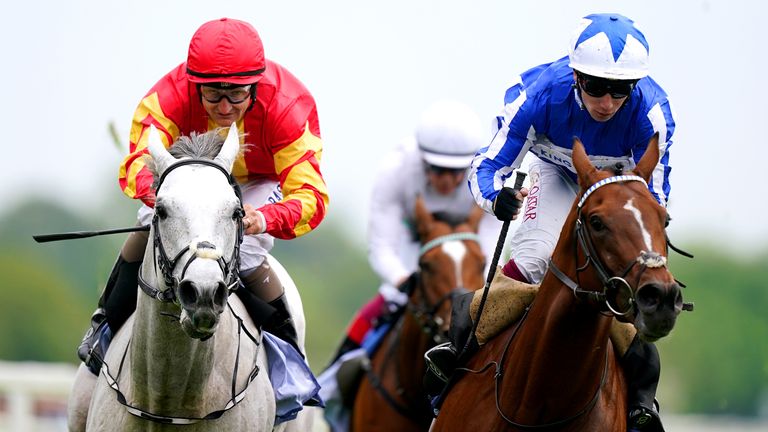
x=506, y=205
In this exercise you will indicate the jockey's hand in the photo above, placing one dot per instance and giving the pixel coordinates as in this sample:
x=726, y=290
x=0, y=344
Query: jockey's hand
x=253, y=221
x=508, y=202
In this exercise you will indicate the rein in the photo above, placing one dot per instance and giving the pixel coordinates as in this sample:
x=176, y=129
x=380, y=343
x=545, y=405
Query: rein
x=609, y=283
x=201, y=249
x=425, y=315
x=645, y=259
x=233, y=401
x=229, y=268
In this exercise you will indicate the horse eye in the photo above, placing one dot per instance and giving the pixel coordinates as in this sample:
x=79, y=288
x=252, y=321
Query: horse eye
x=596, y=223
x=161, y=212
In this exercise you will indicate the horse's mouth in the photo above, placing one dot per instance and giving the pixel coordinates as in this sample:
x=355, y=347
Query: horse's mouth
x=651, y=330
x=203, y=329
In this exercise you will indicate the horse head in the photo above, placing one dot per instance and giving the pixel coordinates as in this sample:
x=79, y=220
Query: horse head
x=197, y=227
x=620, y=229
x=451, y=261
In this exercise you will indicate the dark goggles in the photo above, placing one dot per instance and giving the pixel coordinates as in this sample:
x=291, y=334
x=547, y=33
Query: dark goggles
x=599, y=87
x=444, y=170
x=235, y=95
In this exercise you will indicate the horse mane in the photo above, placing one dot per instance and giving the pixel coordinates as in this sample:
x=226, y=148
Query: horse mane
x=205, y=145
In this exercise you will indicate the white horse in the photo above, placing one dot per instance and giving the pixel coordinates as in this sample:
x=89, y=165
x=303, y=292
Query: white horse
x=190, y=350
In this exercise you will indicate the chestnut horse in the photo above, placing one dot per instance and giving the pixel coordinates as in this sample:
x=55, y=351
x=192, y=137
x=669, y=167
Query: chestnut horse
x=391, y=396
x=555, y=369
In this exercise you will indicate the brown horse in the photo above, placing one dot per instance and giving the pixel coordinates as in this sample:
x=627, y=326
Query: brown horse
x=555, y=369
x=391, y=396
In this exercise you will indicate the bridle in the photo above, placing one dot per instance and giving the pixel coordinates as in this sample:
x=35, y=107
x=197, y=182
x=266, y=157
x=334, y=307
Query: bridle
x=426, y=315
x=612, y=285
x=201, y=249
x=229, y=268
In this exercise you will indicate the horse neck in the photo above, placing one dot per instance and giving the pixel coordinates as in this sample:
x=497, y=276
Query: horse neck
x=401, y=351
x=169, y=369
x=563, y=339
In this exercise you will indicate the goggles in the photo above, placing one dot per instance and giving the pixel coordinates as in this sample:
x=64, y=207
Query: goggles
x=235, y=95
x=439, y=170
x=599, y=87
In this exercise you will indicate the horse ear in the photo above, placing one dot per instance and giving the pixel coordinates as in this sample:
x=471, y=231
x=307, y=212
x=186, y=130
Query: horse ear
x=584, y=168
x=475, y=216
x=649, y=160
x=423, y=217
x=158, y=151
x=230, y=148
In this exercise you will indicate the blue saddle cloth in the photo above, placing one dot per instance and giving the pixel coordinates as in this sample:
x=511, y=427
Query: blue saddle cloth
x=293, y=382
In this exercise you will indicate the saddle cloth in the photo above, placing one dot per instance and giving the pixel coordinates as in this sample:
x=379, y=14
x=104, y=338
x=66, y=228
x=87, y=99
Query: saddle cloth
x=507, y=301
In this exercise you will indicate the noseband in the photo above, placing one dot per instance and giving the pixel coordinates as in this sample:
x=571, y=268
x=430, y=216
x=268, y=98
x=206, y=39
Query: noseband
x=200, y=249
x=612, y=285
x=426, y=313
x=426, y=317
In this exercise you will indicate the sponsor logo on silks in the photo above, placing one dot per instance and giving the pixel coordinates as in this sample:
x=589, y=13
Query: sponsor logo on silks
x=557, y=157
x=532, y=203
x=276, y=195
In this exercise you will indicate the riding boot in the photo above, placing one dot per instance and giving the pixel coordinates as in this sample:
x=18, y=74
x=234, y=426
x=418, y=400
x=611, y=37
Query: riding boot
x=116, y=304
x=642, y=367
x=281, y=323
x=443, y=359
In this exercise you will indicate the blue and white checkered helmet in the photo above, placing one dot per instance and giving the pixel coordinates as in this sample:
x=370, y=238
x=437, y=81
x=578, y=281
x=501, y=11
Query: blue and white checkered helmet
x=609, y=46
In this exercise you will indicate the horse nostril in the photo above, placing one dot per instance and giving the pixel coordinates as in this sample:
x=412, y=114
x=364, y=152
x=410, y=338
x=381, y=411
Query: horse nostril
x=187, y=292
x=678, y=299
x=648, y=297
x=220, y=296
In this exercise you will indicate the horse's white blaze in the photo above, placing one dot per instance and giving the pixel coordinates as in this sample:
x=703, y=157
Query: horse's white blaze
x=639, y=218
x=456, y=250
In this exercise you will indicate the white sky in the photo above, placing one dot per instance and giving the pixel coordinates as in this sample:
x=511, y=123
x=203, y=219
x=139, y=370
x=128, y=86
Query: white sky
x=71, y=67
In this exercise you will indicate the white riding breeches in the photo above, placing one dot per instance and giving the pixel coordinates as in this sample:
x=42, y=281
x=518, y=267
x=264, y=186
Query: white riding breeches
x=551, y=195
x=254, y=248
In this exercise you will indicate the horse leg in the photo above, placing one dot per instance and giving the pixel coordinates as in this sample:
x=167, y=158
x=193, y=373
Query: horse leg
x=80, y=399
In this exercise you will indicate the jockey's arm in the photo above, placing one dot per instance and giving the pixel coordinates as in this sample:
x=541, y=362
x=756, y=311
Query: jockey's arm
x=297, y=165
x=134, y=177
x=387, y=226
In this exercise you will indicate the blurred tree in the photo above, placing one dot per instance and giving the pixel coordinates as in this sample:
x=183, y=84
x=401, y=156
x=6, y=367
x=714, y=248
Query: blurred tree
x=716, y=359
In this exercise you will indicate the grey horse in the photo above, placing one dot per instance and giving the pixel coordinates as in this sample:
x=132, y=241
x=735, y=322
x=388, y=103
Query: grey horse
x=184, y=359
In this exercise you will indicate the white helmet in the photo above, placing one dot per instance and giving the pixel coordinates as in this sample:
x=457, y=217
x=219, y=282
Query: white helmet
x=609, y=46
x=449, y=134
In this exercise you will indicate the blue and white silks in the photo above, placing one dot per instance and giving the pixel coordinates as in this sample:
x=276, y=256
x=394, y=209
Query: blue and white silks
x=542, y=114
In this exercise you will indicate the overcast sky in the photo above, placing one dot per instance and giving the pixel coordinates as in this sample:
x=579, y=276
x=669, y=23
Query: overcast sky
x=69, y=68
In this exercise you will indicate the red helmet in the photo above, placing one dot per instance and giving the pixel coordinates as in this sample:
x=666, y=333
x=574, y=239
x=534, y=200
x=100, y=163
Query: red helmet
x=225, y=50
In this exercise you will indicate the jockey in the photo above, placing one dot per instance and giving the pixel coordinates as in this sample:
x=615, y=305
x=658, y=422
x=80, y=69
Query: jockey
x=432, y=164
x=601, y=93
x=226, y=79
